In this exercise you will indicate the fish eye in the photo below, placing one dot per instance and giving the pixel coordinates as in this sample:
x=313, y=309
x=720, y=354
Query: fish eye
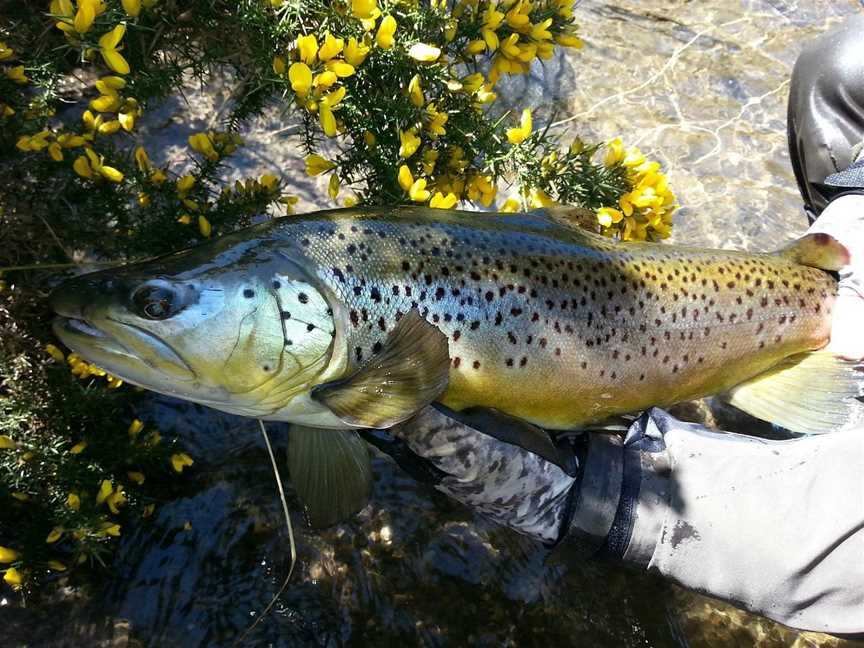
x=156, y=302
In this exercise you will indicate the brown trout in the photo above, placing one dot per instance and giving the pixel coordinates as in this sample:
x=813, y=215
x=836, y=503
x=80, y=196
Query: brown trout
x=360, y=318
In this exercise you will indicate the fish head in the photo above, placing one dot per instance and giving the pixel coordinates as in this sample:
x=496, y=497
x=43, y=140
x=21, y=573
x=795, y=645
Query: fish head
x=234, y=324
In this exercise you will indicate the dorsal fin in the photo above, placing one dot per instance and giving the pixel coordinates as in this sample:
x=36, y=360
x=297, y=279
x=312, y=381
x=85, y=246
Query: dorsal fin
x=579, y=218
x=817, y=251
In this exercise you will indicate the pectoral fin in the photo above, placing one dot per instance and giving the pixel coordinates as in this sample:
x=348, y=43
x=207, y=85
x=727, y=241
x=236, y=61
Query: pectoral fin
x=330, y=471
x=409, y=373
x=514, y=431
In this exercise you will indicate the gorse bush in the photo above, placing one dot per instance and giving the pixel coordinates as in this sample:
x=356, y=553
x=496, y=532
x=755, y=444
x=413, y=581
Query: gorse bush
x=395, y=102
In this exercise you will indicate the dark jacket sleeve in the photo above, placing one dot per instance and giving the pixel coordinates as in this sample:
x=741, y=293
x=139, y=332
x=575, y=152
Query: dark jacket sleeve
x=826, y=110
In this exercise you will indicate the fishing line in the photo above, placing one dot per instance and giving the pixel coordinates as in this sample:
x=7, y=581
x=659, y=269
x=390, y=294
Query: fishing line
x=292, y=545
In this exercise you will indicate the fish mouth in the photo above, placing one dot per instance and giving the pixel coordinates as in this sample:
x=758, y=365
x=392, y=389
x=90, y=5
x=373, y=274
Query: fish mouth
x=113, y=355
x=82, y=327
x=77, y=332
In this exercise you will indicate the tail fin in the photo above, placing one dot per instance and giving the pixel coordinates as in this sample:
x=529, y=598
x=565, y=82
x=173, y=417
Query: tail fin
x=810, y=393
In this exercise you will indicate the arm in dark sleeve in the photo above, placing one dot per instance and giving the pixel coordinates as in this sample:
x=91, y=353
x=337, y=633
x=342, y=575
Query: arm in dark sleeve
x=826, y=114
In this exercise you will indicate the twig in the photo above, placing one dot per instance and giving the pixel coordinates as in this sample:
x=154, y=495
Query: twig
x=293, y=547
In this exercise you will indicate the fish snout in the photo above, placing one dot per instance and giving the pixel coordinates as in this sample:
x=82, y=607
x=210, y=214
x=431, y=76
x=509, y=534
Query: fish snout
x=72, y=296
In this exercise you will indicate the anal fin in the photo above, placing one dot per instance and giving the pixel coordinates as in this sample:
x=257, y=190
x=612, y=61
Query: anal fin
x=810, y=393
x=331, y=472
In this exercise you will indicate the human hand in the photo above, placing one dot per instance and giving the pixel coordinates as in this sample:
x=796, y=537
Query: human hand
x=843, y=219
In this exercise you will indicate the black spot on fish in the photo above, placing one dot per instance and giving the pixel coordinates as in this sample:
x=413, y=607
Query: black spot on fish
x=310, y=327
x=248, y=293
x=303, y=298
x=375, y=294
x=285, y=315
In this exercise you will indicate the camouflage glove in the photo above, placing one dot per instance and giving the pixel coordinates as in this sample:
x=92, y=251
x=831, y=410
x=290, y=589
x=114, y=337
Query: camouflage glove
x=776, y=527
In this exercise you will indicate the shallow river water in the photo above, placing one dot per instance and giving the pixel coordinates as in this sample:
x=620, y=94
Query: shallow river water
x=699, y=85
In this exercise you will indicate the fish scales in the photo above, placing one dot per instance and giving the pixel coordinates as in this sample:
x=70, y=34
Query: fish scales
x=570, y=327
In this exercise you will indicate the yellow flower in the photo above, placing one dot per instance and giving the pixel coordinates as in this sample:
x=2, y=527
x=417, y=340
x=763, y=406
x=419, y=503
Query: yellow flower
x=13, y=578
x=300, y=77
x=21, y=497
x=109, y=127
x=475, y=46
x=340, y=68
x=78, y=448
x=606, y=216
x=369, y=138
x=331, y=47
x=180, y=460
x=316, y=165
x=327, y=119
x=539, y=198
x=108, y=48
x=116, y=500
x=56, y=565
x=511, y=205
x=405, y=178
x=415, y=91
x=279, y=65
x=5, y=52
x=520, y=134
x=184, y=219
x=82, y=167
x=73, y=501
x=55, y=534
x=409, y=143
x=8, y=555
x=135, y=428
x=435, y=125
x=6, y=443
x=105, y=489
x=269, y=181
x=16, y=74
x=135, y=476
x=333, y=186
x=203, y=144
x=423, y=52
x=308, y=48
x=204, y=226
x=355, y=52
x=440, y=201
x=85, y=16
x=185, y=183
x=333, y=99
x=614, y=152
x=92, y=164
x=384, y=36
x=55, y=152
x=540, y=31
x=55, y=353
x=418, y=192
x=323, y=80
x=132, y=7
x=569, y=39
x=350, y=201
x=364, y=9
x=109, y=528
x=105, y=103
